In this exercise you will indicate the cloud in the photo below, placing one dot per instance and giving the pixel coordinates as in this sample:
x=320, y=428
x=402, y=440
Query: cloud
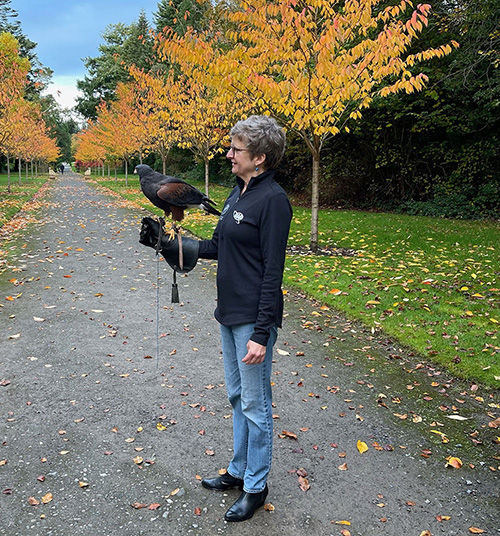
x=64, y=90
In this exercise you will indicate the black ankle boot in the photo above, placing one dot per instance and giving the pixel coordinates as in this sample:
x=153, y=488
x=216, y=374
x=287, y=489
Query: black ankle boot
x=245, y=507
x=222, y=483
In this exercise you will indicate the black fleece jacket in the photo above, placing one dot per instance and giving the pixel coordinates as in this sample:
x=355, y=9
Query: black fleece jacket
x=249, y=243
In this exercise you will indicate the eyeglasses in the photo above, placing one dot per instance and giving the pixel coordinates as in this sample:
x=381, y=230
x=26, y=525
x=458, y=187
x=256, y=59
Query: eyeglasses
x=236, y=149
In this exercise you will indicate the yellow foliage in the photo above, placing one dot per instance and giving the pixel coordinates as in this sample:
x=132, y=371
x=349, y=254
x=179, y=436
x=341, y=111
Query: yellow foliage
x=305, y=65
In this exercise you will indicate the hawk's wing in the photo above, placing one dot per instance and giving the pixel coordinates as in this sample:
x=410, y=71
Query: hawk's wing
x=179, y=194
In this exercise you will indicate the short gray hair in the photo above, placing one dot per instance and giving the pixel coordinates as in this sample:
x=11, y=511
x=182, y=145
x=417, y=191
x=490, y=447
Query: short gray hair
x=263, y=135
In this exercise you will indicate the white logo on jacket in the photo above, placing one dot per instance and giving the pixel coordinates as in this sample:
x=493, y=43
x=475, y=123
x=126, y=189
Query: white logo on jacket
x=238, y=216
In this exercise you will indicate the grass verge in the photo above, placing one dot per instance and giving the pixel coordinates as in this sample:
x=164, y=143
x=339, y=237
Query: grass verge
x=12, y=202
x=430, y=283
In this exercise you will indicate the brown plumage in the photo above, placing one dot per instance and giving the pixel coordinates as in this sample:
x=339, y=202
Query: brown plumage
x=171, y=194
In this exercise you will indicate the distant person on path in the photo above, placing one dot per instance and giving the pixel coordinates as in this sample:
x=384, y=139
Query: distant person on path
x=61, y=169
x=249, y=243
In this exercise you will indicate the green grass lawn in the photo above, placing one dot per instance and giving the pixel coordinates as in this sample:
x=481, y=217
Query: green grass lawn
x=11, y=203
x=430, y=283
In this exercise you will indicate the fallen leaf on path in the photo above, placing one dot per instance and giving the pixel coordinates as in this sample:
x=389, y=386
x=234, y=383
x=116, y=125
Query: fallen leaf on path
x=495, y=423
x=197, y=511
x=47, y=498
x=454, y=462
x=83, y=484
x=282, y=352
x=362, y=446
x=33, y=501
x=304, y=483
x=269, y=507
x=444, y=439
x=475, y=530
x=286, y=433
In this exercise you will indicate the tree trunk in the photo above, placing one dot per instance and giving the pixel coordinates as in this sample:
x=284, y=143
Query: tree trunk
x=31, y=168
x=26, y=169
x=109, y=171
x=19, y=170
x=8, y=173
x=126, y=173
x=315, y=199
x=164, y=163
x=206, y=176
x=116, y=178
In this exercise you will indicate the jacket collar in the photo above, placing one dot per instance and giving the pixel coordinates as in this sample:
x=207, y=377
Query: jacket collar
x=254, y=181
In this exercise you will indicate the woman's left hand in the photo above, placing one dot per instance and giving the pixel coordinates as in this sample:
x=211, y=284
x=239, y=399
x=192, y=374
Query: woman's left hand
x=256, y=353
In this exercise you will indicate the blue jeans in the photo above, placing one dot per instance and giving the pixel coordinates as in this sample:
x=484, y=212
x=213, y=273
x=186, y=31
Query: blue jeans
x=249, y=392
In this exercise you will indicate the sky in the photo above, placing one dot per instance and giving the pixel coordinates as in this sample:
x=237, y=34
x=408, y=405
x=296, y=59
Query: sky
x=66, y=31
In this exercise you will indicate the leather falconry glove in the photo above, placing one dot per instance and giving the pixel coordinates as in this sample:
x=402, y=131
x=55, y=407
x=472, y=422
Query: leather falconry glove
x=169, y=248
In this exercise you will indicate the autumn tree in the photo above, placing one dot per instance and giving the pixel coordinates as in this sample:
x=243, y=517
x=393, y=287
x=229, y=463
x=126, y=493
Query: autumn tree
x=13, y=80
x=88, y=147
x=158, y=98
x=118, y=126
x=204, y=119
x=38, y=75
x=13, y=71
x=14, y=128
x=313, y=65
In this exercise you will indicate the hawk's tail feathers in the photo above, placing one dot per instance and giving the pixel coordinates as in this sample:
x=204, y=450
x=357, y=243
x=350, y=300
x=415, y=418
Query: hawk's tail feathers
x=209, y=208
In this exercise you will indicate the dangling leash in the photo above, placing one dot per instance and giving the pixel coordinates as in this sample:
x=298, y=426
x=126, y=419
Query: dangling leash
x=175, y=289
x=158, y=244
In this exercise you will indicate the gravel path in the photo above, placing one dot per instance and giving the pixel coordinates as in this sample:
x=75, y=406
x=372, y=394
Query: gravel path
x=102, y=439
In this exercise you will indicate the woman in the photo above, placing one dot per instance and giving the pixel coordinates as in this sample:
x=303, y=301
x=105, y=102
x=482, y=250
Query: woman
x=249, y=243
